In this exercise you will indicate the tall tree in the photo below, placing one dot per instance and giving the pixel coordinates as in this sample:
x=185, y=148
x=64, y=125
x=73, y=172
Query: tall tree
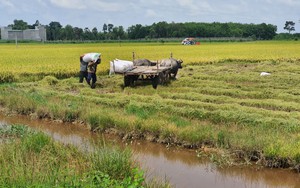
x=110, y=27
x=289, y=25
x=54, y=31
x=161, y=29
x=95, y=32
x=121, y=32
x=118, y=33
x=69, y=32
x=104, y=28
x=88, y=35
x=78, y=32
x=37, y=23
x=19, y=25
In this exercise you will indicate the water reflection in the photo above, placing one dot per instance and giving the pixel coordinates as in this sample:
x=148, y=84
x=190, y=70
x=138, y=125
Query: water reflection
x=183, y=169
x=180, y=167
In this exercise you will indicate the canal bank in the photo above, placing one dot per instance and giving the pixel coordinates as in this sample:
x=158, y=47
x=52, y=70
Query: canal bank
x=181, y=167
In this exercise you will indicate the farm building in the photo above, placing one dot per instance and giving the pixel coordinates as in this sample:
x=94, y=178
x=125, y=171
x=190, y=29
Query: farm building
x=37, y=34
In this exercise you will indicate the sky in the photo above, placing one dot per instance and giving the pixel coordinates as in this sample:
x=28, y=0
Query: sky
x=95, y=13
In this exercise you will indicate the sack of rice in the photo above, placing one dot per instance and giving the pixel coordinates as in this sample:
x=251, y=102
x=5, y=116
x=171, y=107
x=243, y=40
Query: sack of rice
x=120, y=66
x=91, y=57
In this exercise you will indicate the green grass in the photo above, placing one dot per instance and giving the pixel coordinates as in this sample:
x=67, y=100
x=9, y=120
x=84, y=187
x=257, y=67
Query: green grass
x=32, y=159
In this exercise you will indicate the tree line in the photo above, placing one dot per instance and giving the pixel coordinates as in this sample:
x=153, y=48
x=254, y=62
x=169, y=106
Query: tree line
x=55, y=31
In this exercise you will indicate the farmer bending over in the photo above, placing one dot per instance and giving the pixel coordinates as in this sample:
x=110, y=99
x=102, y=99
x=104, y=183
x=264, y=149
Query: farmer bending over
x=92, y=68
x=83, y=70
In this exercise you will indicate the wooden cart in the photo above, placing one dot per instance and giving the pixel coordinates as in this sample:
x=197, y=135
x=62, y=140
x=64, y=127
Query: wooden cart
x=157, y=75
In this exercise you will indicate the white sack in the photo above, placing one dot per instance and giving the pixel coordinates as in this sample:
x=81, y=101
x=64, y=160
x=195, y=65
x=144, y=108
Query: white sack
x=265, y=74
x=91, y=57
x=120, y=66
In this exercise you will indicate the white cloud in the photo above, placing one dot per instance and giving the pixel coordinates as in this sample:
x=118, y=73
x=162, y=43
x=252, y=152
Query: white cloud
x=191, y=7
x=69, y=4
x=7, y=4
x=42, y=2
x=104, y=6
x=150, y=3
x=151, y=13
x=186, y=3
x=290, y=2
x=87, y=4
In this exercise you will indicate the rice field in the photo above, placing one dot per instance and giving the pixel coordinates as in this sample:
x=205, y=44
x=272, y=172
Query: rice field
x=218, y=100
x=61, y=60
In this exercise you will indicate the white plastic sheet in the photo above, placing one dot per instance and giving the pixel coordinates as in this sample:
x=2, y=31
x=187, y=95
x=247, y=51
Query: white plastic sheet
x=265, y=74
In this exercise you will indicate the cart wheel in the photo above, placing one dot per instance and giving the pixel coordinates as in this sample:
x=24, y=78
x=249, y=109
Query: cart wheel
x=155, y=81
x=135, y=78
x=127, y=81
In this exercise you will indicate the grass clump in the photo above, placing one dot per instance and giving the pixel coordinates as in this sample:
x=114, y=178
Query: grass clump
x=32, y=159
x=142, y=111
x=6, y=77
x=50, y=80
x=179, y=122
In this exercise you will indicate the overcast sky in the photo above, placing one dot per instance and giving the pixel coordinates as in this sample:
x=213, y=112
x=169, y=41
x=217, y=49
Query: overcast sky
x=94, y=13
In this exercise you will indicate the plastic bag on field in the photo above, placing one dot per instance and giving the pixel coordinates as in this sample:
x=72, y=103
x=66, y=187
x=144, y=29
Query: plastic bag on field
x=265, y=74
x=120, y=66
x=91, y=57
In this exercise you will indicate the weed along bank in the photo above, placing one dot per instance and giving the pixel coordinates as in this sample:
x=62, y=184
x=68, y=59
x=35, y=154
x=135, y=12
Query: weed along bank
x=217, y=102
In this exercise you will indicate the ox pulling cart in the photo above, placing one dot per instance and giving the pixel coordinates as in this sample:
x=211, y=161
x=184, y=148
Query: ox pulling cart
x=158, y=72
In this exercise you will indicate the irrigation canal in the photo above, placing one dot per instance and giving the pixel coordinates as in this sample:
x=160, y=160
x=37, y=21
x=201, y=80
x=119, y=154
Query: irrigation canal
x=180, y=167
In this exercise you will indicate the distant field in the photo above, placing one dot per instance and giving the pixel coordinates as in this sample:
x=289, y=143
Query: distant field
x=62, y=60
x=218, y=99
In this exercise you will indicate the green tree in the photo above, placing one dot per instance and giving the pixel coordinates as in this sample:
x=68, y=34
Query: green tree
x=104, y=28
x=78, y=33
x=87, y=34
x=152, y=33
x=54, y=31
x=110, y=27
x=37, y=23
x=121, y=32
x=95, y=32
x=161, y=29
x=69, y=32
x=267, y=32
x=118, y=33
x=19, y=25
x=176, y=30
x=138, y=31
x=290, y=26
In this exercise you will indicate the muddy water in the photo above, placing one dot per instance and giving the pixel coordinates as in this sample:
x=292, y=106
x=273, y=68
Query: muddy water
x=179, y=167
